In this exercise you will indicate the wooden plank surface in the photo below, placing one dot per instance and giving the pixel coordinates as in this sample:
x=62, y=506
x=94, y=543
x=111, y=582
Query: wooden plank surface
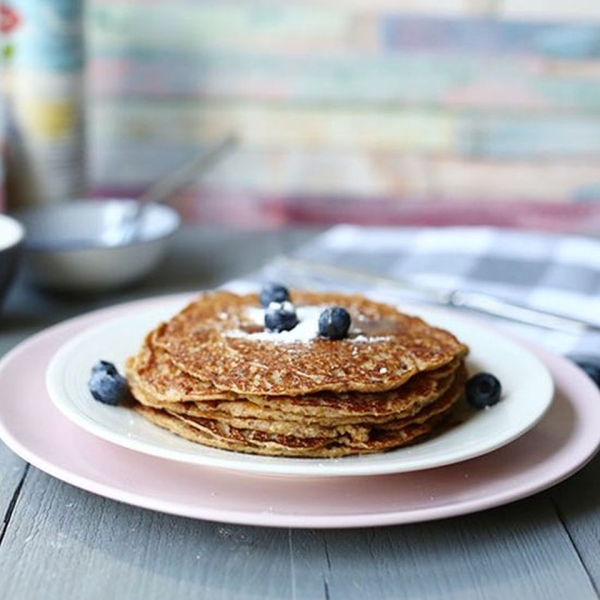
x=577, y=501
x=12, y=473
x=67, y=543
x=62, y=542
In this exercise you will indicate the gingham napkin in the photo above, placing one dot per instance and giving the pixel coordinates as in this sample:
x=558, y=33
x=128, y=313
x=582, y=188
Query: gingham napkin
x=558, y=273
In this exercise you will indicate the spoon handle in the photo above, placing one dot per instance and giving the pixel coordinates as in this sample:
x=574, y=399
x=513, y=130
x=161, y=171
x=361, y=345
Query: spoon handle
x=195, y=167
x=129, y=227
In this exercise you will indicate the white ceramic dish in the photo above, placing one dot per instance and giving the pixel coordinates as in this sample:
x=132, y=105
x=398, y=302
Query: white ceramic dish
x=528, y=392
x=78, y=246
x=11, y=232
x=11, y=242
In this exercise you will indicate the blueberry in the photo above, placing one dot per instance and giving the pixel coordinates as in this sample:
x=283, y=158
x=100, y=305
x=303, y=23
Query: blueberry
x=334, y=323
x=107, y=385
x=280, y=316
x=590, y=365
x=103, y=366
x=483, y=390
x=273, y=292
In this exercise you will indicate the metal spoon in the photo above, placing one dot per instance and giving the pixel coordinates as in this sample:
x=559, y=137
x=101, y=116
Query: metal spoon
x=129, y=226
x=458, y=298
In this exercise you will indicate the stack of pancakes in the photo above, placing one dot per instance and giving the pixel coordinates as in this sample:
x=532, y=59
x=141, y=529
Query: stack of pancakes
x=214, y=375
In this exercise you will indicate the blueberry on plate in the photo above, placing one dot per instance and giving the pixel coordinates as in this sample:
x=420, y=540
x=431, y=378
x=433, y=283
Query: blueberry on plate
x=273, y=292
x=103, y=366
x=483, y=390
x=334, y=323
x=280, y=316
x=107, y=385
x=590, y=365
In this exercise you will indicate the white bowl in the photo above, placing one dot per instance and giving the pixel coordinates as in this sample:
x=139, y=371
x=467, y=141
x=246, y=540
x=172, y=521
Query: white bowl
x=77, y=246
x=11, y=241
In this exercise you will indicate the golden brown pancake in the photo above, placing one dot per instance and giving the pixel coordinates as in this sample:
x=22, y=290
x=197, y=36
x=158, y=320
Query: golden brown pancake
x=323, y=407
x=216, y=339
x=309, y=442
x=153, y=371
x=214, y=375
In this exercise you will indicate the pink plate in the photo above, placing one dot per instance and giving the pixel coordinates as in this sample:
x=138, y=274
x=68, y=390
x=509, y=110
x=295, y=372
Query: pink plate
x=565, y=439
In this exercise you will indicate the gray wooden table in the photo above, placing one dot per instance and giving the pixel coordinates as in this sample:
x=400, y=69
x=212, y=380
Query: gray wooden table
x=57, y=541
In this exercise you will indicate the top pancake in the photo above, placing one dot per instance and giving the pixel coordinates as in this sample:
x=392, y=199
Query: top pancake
x=219, y=339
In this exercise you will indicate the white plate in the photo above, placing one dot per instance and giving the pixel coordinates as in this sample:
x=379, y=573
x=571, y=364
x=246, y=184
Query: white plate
x=527, y=394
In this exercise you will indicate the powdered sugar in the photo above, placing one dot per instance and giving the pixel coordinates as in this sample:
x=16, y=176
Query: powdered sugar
x=305, y=331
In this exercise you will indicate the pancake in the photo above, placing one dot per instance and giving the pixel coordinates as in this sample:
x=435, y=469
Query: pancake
x=278, y=423
x=156, y=381
x=310, y=443
x=214, y=375
x=318, y=409
x=324, y=408
x=219, y=338
x=153, y=371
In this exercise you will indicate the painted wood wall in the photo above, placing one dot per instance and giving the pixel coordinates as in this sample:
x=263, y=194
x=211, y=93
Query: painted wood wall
x=380, y=110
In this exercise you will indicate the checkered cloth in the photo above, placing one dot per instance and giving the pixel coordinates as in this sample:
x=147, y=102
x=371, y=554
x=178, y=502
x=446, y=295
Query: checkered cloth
x=558, y=273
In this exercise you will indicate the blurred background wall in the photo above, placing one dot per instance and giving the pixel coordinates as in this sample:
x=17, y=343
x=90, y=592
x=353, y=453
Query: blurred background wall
x=371, y=111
